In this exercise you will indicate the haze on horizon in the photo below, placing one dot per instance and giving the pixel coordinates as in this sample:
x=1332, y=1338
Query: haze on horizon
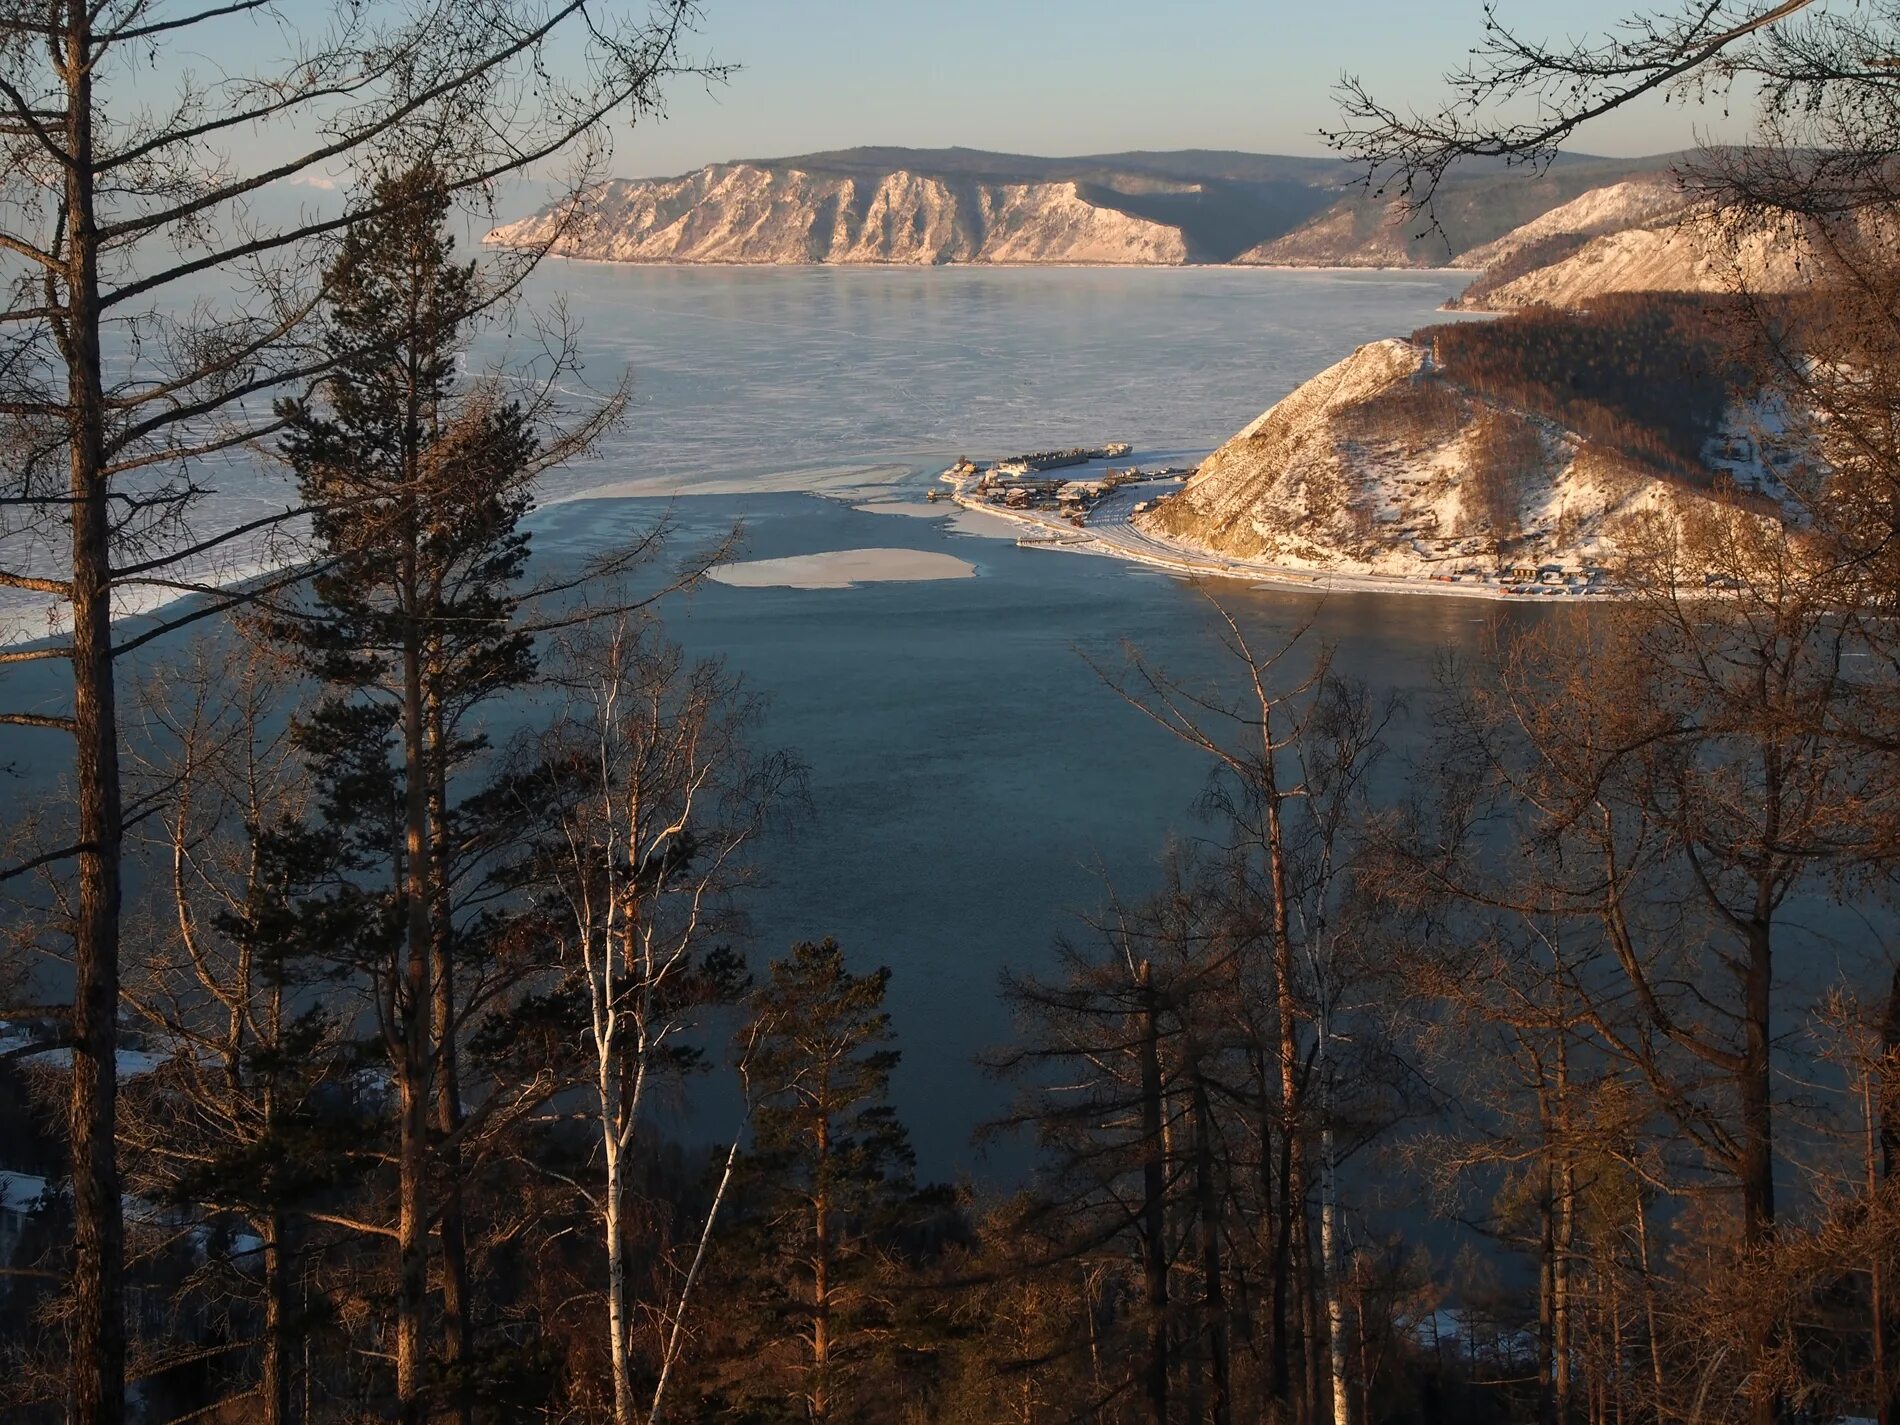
x=1063, y=77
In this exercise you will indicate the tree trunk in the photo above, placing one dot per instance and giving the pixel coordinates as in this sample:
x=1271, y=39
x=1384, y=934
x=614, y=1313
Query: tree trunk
x=1330, y=1273
x=1154, y=1247
x=456, y=1301
x=618, y=1304
x=1757, y=1166
x=1756, y=1090
x=1097, y=1377
x=821, y=1278
x=1547, y=1281
x=412, y=1219
x=1329, y=1254
x=1564, y=1238
x=1311, y=1337
x=1286, y=1018
x=1366, y=1371
x=1887, y=1113
x=456, y=1297
x=1213, y=1288
x=1561, y=1306
x=1280, y=1381
x=274, y=1385
x=1657, y=1378
x=1615, y=1354
x=98, y=1292
x=1273, y=1242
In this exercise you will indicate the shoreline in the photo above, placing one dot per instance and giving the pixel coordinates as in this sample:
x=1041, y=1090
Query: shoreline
x=723, y=265
x=1141, y=547
x=1270, y=576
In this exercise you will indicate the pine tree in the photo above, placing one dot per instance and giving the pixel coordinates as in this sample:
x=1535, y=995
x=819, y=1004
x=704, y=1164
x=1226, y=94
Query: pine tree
x=421, y=481
x=830, y=1169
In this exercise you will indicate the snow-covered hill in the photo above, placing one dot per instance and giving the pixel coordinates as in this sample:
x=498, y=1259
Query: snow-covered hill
x=1635, y=202
x=1381, y=465
x=1695, y=250
x=749, y=213
x=1347, y=234
x=1473, y=211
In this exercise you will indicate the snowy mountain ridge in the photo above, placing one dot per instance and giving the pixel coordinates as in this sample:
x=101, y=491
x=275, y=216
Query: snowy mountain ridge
x=1581, y=229
x=928, y=206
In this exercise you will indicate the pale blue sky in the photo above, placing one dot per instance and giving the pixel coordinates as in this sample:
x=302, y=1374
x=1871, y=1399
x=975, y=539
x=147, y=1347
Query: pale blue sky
x=1085, y=76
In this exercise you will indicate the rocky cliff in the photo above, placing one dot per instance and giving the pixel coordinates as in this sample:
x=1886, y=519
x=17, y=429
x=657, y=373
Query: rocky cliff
x=1383, y=465
x=1584, y=228
x=962, y=205
x=1347, y=234
x=747, y=213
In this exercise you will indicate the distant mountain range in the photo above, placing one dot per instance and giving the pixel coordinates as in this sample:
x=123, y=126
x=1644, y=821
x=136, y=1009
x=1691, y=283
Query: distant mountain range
x=930, y=206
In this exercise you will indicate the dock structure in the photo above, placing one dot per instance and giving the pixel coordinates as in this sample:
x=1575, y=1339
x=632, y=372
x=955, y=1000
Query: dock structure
x=1037, y=461
x=1034, y=481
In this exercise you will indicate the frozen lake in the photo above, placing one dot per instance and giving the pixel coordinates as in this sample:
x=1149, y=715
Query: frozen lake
x=976, y=785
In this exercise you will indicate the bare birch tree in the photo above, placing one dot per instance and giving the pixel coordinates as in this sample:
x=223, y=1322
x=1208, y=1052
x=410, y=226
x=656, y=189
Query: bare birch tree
x=657, y=799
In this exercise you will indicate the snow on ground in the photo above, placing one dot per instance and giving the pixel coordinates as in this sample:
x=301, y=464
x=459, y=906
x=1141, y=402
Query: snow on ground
x=23, y=1194
x=1765, y=450
x=20, y=1192
x=133, y=1063
x=1111, y=531
x=751, y=213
